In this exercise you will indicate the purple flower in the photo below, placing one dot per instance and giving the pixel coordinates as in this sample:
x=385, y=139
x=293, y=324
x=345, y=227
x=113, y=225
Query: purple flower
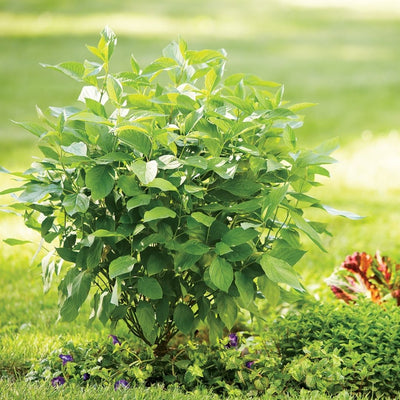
x=86, y=377
x=249, y=364
x=58, y=381
x=121, y=383
x=233, y=341
x=66, y=358
x=114, y=339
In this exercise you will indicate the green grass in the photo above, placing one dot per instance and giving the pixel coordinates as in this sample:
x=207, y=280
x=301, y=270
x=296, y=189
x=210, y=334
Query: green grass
x=345, y=60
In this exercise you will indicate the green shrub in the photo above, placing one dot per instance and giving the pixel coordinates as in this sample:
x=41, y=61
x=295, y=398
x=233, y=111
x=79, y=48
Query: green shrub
x=178, y=197
x=332, y=348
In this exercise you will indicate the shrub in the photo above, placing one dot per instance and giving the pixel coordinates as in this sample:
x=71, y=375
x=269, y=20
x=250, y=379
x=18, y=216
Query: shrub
x=361, y=275
x=331, y=348
x=178, y=198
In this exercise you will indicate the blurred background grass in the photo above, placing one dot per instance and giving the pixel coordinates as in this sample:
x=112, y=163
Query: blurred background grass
x=346, y=57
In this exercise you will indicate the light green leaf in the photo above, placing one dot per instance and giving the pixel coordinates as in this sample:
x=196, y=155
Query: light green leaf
x=76, y=148
x=36, y=129
x=221, y=273
x=195, y=247
x=184, y=318
x=36, y=191
x=222, y=248
x=116, y=293
x=346, y=214
x=138, y=200
x=269, y=289
x=106, y=233
x=158, y=213
x=121, y=265
x=304, y=226
x=114, y=89
x=100, y=180
x=150, y=288
x=162, y=184
x=72, y=69
x=279, y=271
x=76, y=203
x=145, y=171
x=272, y=201
x=137, y=140
x=203, y=218
x=15, y=242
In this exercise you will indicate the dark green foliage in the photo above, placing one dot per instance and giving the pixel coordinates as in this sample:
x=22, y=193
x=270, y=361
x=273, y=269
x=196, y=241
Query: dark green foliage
x=171, y=199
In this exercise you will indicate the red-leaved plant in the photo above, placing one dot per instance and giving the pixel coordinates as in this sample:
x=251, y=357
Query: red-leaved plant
x=377, y=278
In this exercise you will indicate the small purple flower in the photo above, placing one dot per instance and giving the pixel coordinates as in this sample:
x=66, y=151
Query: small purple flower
x=66, y=358
x=233, y=341
x=122, y=383
x=85, y=377
x=114, y=339
x=249, y=364
x=58, y=381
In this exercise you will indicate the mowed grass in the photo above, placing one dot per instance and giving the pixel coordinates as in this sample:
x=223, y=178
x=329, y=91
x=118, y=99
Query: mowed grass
x=346, y=60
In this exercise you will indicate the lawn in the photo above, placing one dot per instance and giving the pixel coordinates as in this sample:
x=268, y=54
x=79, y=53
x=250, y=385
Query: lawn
x=343, y=58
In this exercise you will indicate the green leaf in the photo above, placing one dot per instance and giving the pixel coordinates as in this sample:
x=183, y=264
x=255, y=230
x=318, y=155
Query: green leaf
x=346, y=214
x=227, y=310
x=79, y=287
x=106, y=233
x=245, y=285
x=145, y=171
x=150, y=288
x=162, y=184
x=76, y=203
x=76, y=148
x=36, y=129
x=242, y=187
x=195, y=247
x=74, y=70
x=128, y=183
x=304, y=226
x=121, y=266
x=184, y=318
x=269, y=289
x=137, y=140
x=273, y=200
x=100, y=180
x=138, y=200
x=116, y=293
x=15, y=242
x=36, y=191
x=195, y=161
x=146, y=318
x=114, y=89
x=221, y=274
x=203, y=218
x=158, y=213
x=239, y=236
x=279, y=271
x=155, y=264
x=222, y=248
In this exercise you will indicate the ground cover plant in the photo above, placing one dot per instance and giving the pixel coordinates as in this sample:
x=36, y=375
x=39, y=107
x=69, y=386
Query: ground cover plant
x=179, y=202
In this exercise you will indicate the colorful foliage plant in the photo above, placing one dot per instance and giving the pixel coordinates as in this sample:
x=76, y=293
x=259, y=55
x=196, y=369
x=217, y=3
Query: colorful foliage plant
x=361, y=274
